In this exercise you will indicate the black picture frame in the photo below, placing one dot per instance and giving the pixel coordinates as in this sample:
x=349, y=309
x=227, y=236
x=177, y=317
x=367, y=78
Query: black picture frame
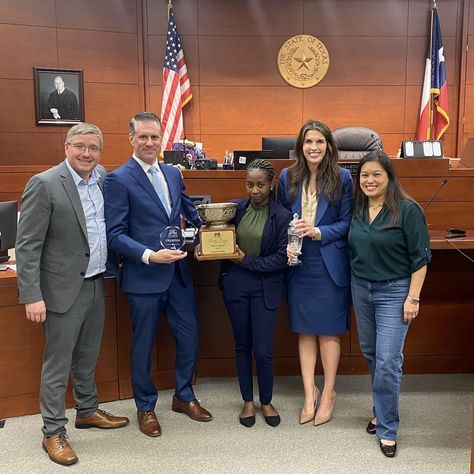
x=69, y=107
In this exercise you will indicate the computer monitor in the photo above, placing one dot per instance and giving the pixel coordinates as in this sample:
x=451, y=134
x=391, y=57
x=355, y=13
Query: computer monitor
x=8, y=225
x=242, y=158
x=278, y=147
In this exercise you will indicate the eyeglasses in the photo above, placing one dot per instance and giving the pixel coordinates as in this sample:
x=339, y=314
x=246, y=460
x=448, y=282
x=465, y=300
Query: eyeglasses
x=93, y=149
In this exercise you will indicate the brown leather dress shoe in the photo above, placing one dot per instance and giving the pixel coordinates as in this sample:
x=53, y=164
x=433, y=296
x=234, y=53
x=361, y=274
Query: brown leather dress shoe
x=58, y=449
x=149, y=423
x=101, y=419
x=193, y=409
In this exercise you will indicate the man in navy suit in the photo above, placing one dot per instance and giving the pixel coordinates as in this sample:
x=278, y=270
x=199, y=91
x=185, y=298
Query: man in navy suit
x=142, y=198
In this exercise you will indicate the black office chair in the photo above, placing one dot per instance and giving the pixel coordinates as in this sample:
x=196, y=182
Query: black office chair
x=355, y=142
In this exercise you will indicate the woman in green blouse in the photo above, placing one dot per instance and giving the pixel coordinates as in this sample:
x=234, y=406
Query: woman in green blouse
x=390, y=251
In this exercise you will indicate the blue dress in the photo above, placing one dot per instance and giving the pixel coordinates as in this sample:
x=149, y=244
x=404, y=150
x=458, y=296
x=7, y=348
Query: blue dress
x=316, y=304
x=318, y=291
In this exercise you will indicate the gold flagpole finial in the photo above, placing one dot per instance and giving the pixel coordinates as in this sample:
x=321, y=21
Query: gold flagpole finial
x=170, y=6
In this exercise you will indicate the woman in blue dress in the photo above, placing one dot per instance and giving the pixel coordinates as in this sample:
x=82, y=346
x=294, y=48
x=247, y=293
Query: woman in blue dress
x=320, y=193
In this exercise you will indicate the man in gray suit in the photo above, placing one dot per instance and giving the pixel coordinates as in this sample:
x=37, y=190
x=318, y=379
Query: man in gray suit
x=61, y=252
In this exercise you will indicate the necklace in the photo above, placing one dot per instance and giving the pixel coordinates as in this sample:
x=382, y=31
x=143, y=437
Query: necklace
x=378, y=206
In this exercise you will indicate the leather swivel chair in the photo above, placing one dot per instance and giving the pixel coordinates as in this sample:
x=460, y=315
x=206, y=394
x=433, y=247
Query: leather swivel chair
x=355, y=142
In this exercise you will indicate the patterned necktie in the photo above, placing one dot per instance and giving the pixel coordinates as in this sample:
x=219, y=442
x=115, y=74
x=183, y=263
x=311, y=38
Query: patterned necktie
x=155, y=180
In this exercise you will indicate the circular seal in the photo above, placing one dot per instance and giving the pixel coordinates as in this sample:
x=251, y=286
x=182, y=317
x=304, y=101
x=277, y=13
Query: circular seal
x=303, y=61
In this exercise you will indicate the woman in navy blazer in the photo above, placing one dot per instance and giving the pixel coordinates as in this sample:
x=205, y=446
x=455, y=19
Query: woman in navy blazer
x=253, y=287
x=318, y=291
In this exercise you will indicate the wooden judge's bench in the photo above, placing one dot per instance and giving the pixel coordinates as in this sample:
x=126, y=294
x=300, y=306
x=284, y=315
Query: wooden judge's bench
x=439, y=341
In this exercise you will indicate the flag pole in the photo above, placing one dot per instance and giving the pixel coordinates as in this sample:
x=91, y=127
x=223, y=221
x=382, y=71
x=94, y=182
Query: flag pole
x=431, y=61
x=170, y=6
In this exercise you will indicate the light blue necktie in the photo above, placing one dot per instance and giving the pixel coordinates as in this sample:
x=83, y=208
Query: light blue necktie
x=155, y=180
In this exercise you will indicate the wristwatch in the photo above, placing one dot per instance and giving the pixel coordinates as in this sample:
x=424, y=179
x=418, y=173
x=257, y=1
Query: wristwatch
x=413, y=300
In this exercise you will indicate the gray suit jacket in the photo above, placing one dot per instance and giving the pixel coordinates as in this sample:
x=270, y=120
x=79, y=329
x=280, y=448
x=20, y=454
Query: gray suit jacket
x=52, y=251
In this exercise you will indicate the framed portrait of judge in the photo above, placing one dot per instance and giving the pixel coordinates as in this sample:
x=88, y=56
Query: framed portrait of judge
x=59, y=96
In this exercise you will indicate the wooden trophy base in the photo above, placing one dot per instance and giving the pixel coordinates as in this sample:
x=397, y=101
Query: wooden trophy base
x=217, y=243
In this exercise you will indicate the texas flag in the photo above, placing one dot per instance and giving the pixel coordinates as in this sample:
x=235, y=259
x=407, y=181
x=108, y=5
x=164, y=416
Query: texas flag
x=434, y=114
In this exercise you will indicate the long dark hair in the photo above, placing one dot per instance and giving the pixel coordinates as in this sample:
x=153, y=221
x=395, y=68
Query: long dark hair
x=394, y=192
x=328, y=181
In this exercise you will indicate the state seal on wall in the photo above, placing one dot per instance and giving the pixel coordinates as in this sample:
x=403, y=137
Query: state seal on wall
x=303, y=61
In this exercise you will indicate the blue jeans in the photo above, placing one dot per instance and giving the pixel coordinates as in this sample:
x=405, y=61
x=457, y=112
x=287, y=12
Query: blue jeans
x=382, y=332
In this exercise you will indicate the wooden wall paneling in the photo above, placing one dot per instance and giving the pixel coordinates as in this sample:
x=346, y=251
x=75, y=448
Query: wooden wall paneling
x=248, y=60
x=419, y=17
x=456, y=189
x=103, y=55
x=18, y=107
x=220, y=185
x=24, y=149
x=441, y=215
x=21, y=355
x=368, y=106
x=361, y=18
x=215, y=328
x=110, y=15
x=156, y=95
x=26, y=12
x=191, y=115
x=22, y=346
x=463, y=69
x=428, y=334
x=22, y=47
x=263, y=18
x=155, y=47
x=110, y=106
x=124, y=337
x=268, y=110
x=365, y=60
x=469, y=109
x=117, y=148
x=392, y=142
x=185, y=13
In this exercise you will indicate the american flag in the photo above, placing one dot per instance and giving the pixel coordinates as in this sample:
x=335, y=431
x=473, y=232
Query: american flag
x=176, y=87
x=433, y=120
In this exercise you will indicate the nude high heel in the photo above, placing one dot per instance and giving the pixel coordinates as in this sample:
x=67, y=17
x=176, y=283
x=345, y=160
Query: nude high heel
x=321, y=420
x=306, y=418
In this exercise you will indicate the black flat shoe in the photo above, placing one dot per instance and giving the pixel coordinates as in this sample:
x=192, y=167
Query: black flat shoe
x=388, y=450
x=371, y=428
x=272, y=420
x=248, y=421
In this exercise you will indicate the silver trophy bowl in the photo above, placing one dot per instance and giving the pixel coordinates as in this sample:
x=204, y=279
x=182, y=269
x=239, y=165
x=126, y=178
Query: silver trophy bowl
x=217, y=214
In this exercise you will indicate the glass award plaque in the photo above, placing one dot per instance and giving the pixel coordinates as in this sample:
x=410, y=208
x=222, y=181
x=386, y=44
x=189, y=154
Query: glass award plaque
x=172, y=238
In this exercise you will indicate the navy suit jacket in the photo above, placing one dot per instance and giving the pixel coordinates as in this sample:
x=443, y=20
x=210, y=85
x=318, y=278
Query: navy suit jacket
x=333, y=220
x=272, y=260
x=135, y=218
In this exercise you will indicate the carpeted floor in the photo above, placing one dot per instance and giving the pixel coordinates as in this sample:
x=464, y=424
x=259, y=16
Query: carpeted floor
x=434, y=435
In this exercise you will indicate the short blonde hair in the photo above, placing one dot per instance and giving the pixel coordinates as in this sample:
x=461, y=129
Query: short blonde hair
x=85, y=129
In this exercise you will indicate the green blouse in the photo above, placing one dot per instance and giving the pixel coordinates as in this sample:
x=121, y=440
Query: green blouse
x=380, y=251
x=250, y=229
